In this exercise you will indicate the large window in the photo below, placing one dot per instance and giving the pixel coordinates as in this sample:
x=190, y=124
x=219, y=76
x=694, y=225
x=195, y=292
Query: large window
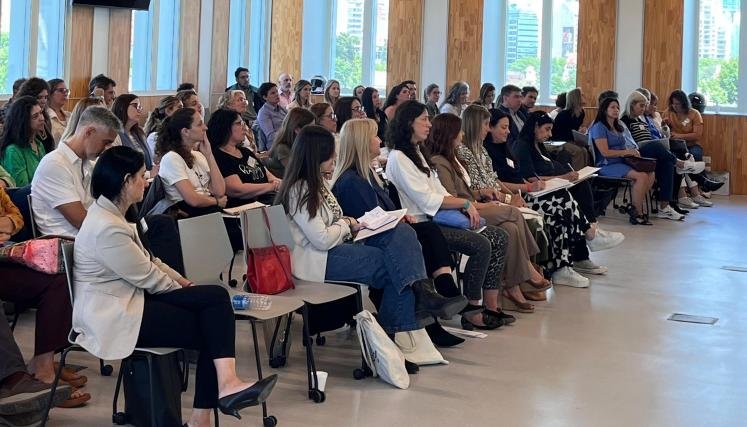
x=537, y=47
x=154, y=49
x=32, y=34
x=248, y=39
x=354, y=51
x=712, y=47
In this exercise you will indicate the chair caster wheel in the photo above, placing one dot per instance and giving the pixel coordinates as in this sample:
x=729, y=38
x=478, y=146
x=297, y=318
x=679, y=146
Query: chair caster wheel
x=270, y=421
x=359, y=374
x=278, y=362
x=106, y=370
x=320, y=340
x=317, y=396
x=119, y=418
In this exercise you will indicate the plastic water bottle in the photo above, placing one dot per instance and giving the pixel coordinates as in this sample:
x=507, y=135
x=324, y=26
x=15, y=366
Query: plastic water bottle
x=251, y=302
x=240, y=302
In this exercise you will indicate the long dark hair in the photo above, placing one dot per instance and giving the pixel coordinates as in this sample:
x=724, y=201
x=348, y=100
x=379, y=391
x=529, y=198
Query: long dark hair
x=119, y=108
x=112, y=166
x=399, y=133
x=34, y=86
x=367, y=102
x=17, y=128
x=170, y=137
x=602, y=114
x=495, y=116
x=391, y=98
x=313, y=146
x=681, y=96
x=344, y=110
x=220, y=127
x=297, y=93
x=535, y=119
x=296, y=119
x=445, y=130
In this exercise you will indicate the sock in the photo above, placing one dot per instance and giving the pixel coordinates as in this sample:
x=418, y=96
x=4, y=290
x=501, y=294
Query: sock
x=445, y=285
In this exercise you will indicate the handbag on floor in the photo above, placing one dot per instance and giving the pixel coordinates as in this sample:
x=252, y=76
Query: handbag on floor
x=167, y=391
x=380, y=353
x=268, y=270
x=418, y=348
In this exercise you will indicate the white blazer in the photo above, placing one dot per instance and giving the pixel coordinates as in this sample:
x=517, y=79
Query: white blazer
x=313, y=237
x=112, y=272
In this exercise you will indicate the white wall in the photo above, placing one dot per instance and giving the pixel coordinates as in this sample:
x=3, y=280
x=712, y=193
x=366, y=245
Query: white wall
x=435, y=38
x=629, y=47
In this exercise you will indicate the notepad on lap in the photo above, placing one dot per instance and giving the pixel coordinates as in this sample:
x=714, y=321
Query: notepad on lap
x=378, y=221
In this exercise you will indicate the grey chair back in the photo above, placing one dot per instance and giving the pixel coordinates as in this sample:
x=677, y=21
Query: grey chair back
x=206, y=248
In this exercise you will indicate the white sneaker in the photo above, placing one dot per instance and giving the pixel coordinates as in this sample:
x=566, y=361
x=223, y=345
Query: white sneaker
x=691, y=167
x=587, y=266
x=605, y=240
x=700, y=200
x=687, y=203
x=567, y=277
x=668, y=213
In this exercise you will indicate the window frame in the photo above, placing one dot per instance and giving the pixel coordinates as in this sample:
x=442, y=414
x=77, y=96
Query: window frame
x=690, y=59
x=252, y=51
x=494, y=71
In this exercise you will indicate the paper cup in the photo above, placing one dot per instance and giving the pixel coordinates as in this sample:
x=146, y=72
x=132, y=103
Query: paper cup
x=321, y=377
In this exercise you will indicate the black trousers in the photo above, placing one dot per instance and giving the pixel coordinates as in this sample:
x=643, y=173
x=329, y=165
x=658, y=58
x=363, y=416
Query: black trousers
x=585, y=198
x=196, y=318
x=435, y=247
x=11, y=360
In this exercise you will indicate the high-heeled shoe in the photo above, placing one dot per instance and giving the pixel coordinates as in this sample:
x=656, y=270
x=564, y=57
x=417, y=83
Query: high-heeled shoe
x=252, y=396
x=510, y=303
x=490, y=323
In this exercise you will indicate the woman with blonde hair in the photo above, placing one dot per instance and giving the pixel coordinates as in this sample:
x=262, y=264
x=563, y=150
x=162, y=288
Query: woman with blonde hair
x=301, y=95
x=332, y=92
x=235, y=100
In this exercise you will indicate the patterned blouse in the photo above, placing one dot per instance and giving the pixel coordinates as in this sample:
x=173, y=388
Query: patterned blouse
x=479, y=168
x=331, y=201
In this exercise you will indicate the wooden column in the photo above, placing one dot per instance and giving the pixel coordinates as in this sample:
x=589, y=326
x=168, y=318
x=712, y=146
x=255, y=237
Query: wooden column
x=219, y=54
x=405, y=42
x=464, y=49
x=120, y=33
x=189, y=39
x=597, y=22
x=81, y=40
x=285, y=37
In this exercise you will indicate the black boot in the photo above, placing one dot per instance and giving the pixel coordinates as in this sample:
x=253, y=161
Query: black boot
x=427, y=300
x=441, y=338
x=711, y=185
x=445, y=285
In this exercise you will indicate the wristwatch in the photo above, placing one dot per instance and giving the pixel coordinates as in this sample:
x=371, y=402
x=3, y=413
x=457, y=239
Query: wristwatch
x=507, y=199
x=465, y=206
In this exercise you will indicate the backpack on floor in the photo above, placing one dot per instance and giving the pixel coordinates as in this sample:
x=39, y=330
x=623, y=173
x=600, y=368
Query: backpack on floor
x=167, y=391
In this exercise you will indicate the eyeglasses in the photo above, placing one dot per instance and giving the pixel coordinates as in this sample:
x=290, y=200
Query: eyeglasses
x=239, y=123
x=331, y=116
x=359, y=109
x=137, y=106
x=63, y=90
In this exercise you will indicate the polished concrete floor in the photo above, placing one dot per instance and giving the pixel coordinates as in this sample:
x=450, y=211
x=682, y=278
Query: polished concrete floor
x=603, y=356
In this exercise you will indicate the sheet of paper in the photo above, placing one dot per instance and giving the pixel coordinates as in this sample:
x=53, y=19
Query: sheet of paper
x=365, y=232
x=551, y=185
x=376, y=218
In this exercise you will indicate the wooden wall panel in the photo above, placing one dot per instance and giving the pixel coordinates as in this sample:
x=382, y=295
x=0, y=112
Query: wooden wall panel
x=662, y=45
x=219, y=55
x=120, y=32
x=723, y=141
x=81, y=41
x=597, y=23
x=189, y=48
x=285, y=38
x=464, y=48
x=405, y=44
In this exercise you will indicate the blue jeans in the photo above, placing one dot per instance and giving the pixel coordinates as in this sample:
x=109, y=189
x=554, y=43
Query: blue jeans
x=390, y=261
x=697, y=152
x=665, y=165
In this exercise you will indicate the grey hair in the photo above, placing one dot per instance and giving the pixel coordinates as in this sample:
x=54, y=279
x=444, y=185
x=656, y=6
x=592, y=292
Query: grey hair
x=101, y=117
x=228, y=97
x=645, y=92
x=457, y=90
x=633, y=98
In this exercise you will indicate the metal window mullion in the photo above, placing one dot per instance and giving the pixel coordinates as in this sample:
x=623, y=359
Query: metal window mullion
x=153, y=66
x=546, y=52
x=33, y=32
x=367, y=43
x=741, y=81
x=502, y=40
x=332, y=39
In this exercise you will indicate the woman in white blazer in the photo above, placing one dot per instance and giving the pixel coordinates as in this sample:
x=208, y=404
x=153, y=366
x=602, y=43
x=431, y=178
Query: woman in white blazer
x=391, y=261
x=126, y=298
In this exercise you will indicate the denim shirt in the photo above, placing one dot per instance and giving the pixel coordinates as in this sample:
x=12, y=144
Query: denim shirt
x=270, y=120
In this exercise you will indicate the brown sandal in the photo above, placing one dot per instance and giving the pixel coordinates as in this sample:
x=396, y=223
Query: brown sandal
x=73, y=401
x=510, y=303
x=535, y=295
x=71, y=377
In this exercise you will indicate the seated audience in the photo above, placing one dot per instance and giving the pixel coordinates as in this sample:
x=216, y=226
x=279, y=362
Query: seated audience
x=16, y=86
x=456, y=100
x=250, y=94
x=559, y=105
x=270, y=117
x=346, y=108
x=285, y=89
x=148, y=303
x=39, y=89
x=331, y=92
x=461, y=173
x=371, y=103
x=358, y=91
x=359, y=189
x=301, y=95
x=611, y=148
x=487, y=95
x=58, y=96
x=105, y=85
x=235, y=100
x=129, y=111
x=166, y=107
x=49, y=295
x=390, y=261
x=82, y=105
x=324, y=116
x=246, y=178
x=61, y=186
x=413, y=88
x=283, y=144
x=422, y=194
x=21, y=142
x=511, y=105
x=569, y=119
x=397, y=95
x=431, y=95
x=529, y=96
x=190, y=99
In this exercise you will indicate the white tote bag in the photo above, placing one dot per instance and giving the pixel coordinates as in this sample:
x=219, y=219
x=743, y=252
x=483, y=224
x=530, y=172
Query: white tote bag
x=418, y=348
x=381, y=354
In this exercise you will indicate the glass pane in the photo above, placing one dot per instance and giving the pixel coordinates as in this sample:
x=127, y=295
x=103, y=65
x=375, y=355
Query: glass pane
x=51, y=39
x=380, y=45
x=564, y=42
x=14, y=42
x=140, y=43
x=523, y=36
x=348, y=65
x=6, y=81
x=168, y=45
x=236, y=38
x=718, y=51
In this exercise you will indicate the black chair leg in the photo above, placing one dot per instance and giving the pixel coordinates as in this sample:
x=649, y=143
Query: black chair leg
x=55, y=383
x=149, y=360
x=259, y=362
x=105, y=369
x=119, y=417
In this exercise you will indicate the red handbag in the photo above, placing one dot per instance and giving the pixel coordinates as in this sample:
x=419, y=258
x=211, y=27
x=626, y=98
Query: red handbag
x=43, y=254
x=269, y=269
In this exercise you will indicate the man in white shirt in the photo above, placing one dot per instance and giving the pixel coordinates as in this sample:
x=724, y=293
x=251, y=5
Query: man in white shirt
x=61, y=187
x=285, y=89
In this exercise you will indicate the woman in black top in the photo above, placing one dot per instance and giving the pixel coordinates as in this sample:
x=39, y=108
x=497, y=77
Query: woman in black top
x=372, y=104
x=246, y=178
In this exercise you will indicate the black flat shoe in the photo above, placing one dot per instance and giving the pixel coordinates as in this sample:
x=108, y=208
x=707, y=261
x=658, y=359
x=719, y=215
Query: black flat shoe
x=711, y=185
x=412, y=368
x=489, y=321
x=252, y=396
x=502, y=315
x=441, y=338
x=427, y=300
